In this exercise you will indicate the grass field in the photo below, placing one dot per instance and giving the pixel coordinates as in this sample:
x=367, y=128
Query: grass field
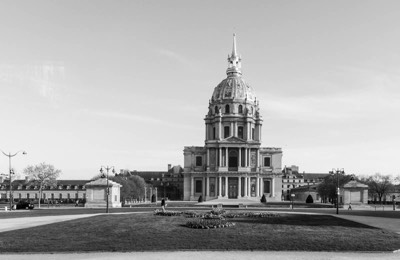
x=147, y=232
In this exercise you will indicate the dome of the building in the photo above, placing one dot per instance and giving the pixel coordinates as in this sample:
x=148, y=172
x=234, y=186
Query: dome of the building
x=233, y=88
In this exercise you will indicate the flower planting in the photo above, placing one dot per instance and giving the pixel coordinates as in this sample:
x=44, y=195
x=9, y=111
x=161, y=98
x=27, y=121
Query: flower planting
x=209, y=223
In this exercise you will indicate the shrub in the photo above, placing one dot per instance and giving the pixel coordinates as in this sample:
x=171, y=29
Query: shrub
x=217, y=211
x=167, y=213
x=263, y=199
x=200, y=198
x=309, y=199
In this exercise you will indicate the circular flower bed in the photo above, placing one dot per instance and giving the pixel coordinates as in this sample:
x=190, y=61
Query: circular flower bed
x=209, y=223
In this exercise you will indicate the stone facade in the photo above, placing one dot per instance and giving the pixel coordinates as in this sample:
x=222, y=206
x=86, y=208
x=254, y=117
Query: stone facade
x=96, y=194
x=232, y=164
x=355, y=192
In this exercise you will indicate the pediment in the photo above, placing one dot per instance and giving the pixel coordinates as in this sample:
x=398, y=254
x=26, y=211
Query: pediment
x=234, y=139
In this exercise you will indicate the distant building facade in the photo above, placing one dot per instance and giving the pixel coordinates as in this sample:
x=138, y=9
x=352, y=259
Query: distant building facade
x=65, y=190
x=292, y=179
x=232, y=164
x=169, y=184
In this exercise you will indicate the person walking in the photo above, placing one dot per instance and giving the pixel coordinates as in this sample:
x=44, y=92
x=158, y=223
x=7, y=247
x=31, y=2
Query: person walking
x=349, y=207
x=163, y=204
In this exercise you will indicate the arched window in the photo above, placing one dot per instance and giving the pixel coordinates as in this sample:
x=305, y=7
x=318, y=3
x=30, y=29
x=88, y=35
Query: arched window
x=216, y=110
x=227, y=109
x=240, y=109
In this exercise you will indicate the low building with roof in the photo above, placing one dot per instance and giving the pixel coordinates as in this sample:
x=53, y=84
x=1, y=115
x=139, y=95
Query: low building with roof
x=64, y=190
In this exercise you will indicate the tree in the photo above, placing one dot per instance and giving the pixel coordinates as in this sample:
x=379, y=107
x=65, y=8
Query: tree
x=379, y=185
x=42, y=175
x=327, y=189
x=133, y=187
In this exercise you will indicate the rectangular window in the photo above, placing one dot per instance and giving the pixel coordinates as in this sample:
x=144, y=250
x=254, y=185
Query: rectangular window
x=199, y=161
x=267, y=186
x=226, y=131
x=240, y=132
x=27, y=196
x=252, y=134
x=60, y=196
x=69, y=196
x=199, y=186
x=214, y=136
x=36, y=196
x=76, y=195
x=115, y=197
x=267, y=161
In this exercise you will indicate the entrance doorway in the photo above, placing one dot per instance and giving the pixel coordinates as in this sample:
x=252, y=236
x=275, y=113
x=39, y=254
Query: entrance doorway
x=233, y=188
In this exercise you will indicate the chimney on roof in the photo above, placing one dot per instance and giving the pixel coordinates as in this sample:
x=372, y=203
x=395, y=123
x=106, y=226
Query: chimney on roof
x=169, y=167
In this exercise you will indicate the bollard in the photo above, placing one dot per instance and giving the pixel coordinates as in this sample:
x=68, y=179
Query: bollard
x=5, y=208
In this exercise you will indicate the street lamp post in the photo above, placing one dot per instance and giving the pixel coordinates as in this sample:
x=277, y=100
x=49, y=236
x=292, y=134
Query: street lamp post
x=337, y=171
x=293, y=195
x=107, y=168
x=9, y=155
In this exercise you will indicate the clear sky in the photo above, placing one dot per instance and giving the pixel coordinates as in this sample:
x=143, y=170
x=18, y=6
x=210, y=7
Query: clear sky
x=127, y=83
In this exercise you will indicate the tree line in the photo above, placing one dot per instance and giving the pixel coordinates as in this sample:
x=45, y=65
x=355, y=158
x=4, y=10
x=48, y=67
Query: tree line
x=379, y=185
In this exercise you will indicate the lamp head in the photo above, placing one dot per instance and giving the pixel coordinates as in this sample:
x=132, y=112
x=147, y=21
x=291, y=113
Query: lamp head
x=24, y=153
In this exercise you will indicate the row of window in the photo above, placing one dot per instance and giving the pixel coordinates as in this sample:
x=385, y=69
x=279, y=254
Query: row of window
x=48, y=196
x=228, y=110
x=227, y=132
x=267, y=161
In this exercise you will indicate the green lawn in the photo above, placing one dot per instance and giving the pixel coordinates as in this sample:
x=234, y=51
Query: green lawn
x=145, y=232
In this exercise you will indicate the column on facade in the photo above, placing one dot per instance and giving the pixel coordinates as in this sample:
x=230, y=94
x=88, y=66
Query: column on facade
x=249, y=186
x=208, y=157
x=259, y=164
x=226, y=186
x=226, y=157
x=240, y=157
x=207, y=131
x=231, y=130
x=235, y=129
x=220, y=157
x=219, y=186
x=245, y=186
x=245, y=157
x=273, y=186
x=191, y=186
x=219, y=129
x=240, y=187
x=208, y=187
x=257, y=187
x=203, y=190
x=261, y=187
x=259, y=133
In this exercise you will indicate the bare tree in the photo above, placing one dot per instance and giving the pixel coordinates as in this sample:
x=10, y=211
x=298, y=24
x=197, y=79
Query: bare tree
x=42, y=175
x=380, y=185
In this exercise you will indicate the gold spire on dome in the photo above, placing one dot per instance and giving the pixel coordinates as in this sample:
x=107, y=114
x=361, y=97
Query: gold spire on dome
x=234, y=60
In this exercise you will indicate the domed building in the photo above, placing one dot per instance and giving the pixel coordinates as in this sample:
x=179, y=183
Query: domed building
x=232, y=164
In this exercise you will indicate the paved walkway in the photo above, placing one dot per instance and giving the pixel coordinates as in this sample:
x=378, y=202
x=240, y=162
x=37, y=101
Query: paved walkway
x=390, y=224
x=215, y=255
x=27, y=222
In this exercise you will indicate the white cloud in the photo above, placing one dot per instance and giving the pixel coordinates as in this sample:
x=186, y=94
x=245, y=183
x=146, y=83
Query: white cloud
x=174, y=56
x=140, y=118
x=43, y=77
